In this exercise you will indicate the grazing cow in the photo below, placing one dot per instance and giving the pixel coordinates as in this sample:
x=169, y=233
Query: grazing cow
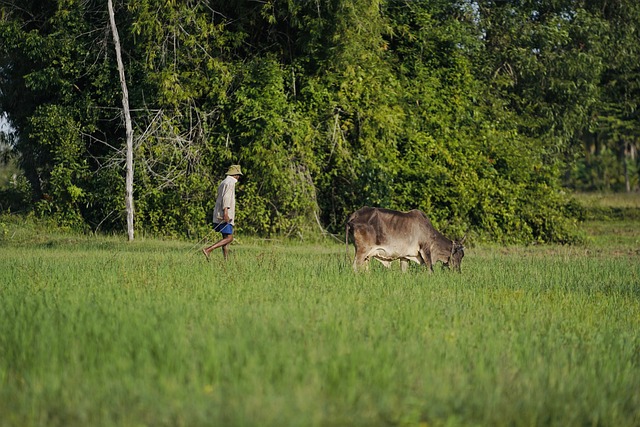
x=388, y=235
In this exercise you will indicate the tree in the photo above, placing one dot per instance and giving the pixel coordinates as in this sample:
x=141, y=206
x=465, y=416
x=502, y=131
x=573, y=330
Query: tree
x=545, y=60
x=616, y=118
x=127, y=120
x=609, y=143
x=467, y=110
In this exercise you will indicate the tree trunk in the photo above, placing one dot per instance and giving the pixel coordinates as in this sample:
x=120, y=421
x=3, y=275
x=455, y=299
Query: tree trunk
x=128, y=126
x=626, y=155
x=627, y=181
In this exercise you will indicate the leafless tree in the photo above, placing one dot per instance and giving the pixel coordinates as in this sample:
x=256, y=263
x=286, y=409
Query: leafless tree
x=128, y=125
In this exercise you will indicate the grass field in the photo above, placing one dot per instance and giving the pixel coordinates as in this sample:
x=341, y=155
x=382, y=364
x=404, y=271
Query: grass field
x=614, y=200
x=602, y=206
x=95, y=331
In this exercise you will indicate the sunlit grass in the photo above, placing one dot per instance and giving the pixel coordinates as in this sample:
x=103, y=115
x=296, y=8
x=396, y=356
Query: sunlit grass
x=97, y=331
x=609, y=200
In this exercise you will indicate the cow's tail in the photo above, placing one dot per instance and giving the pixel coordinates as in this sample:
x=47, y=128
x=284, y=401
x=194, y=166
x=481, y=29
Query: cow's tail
x=346, y=242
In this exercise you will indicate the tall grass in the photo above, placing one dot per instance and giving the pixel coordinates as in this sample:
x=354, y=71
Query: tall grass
x=609, y=200
x=607, y=207
x=95, y=331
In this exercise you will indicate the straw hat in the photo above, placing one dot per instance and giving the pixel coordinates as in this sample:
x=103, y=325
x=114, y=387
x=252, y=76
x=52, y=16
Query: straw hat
x=234, y=170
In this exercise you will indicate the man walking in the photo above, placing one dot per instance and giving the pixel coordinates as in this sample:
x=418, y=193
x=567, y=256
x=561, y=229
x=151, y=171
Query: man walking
x=225, y=211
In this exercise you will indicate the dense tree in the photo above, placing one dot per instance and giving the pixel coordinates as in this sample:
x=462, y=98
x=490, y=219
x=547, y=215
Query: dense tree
x=612, y=140
x=467, y=110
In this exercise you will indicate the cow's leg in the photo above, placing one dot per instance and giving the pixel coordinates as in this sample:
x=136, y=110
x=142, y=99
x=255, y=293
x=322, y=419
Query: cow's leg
x=425, y=254
x=361, y=260
x=404, y=264
x=356, y=263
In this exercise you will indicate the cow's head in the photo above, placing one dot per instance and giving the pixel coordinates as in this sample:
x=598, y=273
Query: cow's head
x=457, y=253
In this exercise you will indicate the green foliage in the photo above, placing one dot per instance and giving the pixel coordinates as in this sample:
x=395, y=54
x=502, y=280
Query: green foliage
x=270, y=137
x=459, y=109
x=16, y=195
x=59, y=141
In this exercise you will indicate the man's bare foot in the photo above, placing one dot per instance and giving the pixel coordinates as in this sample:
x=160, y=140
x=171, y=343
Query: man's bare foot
x=206, y=255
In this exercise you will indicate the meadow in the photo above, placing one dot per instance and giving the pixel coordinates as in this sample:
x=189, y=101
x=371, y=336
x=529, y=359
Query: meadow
x=95, y=331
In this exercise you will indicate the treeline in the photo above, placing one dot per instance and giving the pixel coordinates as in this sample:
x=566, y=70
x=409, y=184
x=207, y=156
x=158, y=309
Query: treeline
x=476, y=112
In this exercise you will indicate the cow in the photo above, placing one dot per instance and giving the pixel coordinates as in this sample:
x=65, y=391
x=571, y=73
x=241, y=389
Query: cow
x=387, y=235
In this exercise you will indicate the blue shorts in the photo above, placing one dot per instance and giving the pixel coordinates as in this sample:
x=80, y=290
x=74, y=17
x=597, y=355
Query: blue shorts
x=223, y=227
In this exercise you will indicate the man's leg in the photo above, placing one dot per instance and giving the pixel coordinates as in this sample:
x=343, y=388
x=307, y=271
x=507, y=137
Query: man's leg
x=224, y=244
x=225, y=247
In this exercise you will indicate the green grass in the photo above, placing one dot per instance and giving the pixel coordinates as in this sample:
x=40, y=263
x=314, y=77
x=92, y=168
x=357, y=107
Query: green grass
x=607, y=207
x=612, y=200
x=96, y=331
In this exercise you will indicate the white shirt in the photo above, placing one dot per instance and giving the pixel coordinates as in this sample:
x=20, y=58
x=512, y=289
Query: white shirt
x=226, y=198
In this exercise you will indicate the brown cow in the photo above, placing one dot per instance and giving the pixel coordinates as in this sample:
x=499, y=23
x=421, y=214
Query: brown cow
x=388, y=235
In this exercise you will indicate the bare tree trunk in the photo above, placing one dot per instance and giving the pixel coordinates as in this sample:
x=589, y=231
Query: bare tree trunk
x=128, y=126
x=622, y=157
x=627, y=181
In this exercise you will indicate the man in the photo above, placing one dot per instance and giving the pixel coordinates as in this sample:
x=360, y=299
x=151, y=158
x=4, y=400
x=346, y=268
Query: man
x=225, y=211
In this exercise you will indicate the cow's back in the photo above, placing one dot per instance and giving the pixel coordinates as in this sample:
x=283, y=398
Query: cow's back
x=392, y=226
x=361, y=216
x=388, y=220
